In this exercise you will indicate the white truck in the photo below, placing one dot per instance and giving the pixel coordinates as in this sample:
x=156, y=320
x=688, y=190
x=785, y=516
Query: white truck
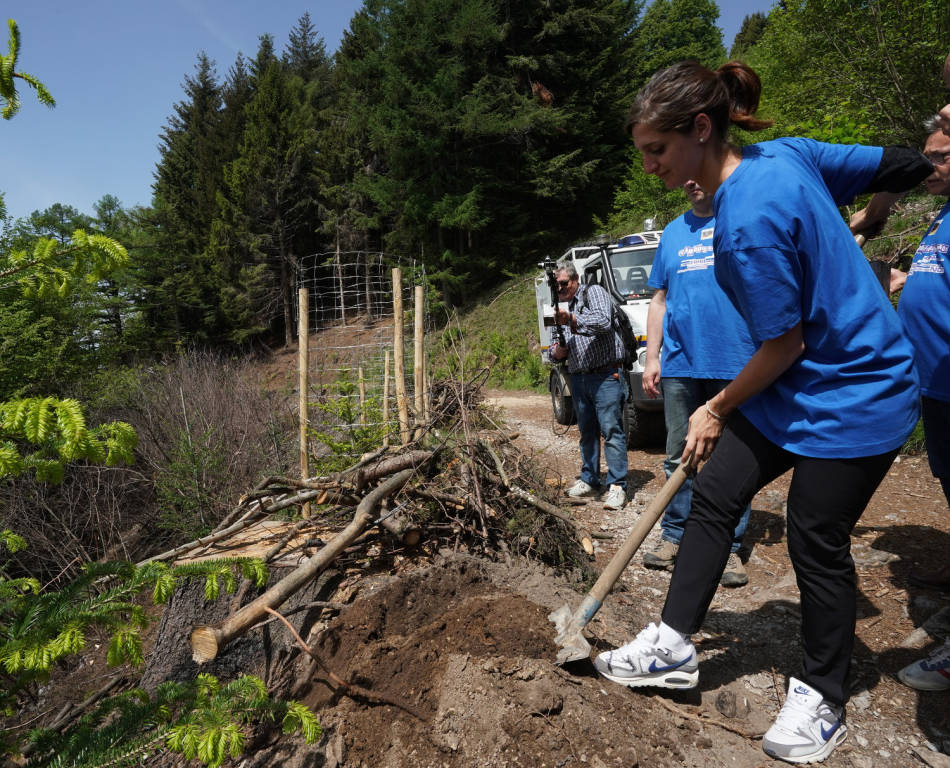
x=622, y=268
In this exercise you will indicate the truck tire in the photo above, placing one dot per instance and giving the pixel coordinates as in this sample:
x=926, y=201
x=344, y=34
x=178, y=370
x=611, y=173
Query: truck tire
x=561, y=402
x=636, y=426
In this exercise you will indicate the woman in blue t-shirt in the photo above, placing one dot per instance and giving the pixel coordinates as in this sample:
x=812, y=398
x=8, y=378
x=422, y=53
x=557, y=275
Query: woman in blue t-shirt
x=831, y=393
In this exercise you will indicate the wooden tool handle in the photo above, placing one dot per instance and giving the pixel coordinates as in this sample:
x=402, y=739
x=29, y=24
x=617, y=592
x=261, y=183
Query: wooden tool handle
x=637, y=534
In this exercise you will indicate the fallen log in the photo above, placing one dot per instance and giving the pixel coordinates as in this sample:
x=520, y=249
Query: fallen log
x=409, y=459
x=401, y=528
x=207, y=642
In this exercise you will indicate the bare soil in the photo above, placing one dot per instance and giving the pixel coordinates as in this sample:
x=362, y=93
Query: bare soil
x=463, y=647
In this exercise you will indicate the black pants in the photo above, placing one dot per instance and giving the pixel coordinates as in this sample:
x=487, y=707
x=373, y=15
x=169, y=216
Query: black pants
x=825, y=500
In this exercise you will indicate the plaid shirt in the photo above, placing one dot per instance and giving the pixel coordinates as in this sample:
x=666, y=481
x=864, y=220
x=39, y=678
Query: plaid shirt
x=595, y=344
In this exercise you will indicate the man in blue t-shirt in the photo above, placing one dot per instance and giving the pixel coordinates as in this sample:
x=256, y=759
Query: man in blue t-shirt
x=704, y=343
x=924, y=309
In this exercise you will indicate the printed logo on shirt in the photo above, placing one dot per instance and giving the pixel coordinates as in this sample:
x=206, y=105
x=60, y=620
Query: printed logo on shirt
x=934, y=227
x=695, y=257
x=707, y=233
x=929, y=259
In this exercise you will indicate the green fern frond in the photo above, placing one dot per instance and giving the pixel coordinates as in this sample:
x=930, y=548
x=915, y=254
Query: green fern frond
x=12, y=541
x=39, y=420
x=165, y=584
x=248, y=689
x=299, y=717
x=71, y=640
x=255, y=570
x=14, y=588
x=119, y=440
x=11, y=463
x=14, y=42
x=125, y=646
x=44, y=96
x=206, y=685
x=47, y=470
x=212, y=586
x=70, y=420
x=13, y=102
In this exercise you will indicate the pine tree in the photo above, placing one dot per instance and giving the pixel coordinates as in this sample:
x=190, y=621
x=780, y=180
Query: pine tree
x=676, y=30
x=270, y=199
x=178, y=293
x=306, y=52
x=491, y=133
x=753, y=26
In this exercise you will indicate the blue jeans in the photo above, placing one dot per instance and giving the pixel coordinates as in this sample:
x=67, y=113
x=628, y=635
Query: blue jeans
x=682, y=396
x=598, y=403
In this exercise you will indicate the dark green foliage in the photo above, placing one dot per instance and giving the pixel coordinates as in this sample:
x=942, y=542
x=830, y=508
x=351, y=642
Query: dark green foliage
x=500, y=333
x=177, y=286
x=201, y=719
x=875, y=64
x=753, y=26
x=643, y=197
x=670, y=31
x=491, y=130
x=268, y=206
x=676, y=30
x=39, y=627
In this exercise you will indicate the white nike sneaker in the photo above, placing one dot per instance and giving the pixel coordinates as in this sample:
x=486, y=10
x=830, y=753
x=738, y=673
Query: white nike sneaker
x=807, y=728
x=580, y=490
x=616, y=497
x=642, y=663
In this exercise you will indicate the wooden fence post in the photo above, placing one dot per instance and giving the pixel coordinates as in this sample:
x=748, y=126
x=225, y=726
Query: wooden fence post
x=303, y=359
x=418, y=364
x=362, y=386
x=399, y=362
x=386, y=398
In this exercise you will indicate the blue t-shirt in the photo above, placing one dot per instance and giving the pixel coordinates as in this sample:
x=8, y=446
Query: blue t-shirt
x=703, y=335
x=925, y=308
x=785, y=256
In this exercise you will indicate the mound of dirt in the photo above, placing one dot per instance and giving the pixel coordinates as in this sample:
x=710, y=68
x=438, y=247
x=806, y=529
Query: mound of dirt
x=465, y=648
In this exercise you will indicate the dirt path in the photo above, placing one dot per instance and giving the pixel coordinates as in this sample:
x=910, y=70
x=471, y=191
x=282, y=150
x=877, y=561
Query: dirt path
x=749, y=643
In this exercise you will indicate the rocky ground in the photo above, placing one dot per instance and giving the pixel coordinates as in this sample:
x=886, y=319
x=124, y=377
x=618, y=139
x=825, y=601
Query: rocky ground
x=749, y=644
x=463, y=652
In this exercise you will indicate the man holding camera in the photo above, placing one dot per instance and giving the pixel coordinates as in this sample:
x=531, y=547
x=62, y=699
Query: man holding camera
x=594, y=352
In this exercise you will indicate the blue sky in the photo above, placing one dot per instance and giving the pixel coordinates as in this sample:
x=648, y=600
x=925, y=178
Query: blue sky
x=116, y=69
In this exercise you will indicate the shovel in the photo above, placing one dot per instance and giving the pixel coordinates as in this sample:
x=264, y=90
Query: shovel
x=572, y=646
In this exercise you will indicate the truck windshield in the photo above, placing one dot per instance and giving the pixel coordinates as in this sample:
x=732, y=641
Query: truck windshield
x=631, y=269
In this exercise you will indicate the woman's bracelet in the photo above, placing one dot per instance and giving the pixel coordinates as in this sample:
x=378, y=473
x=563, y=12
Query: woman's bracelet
x=716, y=416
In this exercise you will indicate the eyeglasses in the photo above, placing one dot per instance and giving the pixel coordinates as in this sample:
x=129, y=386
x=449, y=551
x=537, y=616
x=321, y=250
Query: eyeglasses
x=565, y=283
x=938, y=158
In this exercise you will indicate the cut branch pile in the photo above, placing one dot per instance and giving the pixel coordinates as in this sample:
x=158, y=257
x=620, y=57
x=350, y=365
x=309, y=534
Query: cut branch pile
x=461, y=484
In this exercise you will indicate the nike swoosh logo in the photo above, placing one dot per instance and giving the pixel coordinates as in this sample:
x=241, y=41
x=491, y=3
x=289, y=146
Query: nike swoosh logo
x=830, y=732
x=677, y=665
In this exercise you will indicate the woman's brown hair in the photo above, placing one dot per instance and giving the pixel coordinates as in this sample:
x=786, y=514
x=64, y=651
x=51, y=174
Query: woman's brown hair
x=674, y=96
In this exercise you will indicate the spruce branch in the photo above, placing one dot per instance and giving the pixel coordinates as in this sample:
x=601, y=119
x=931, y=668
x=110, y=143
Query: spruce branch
x=8, y=73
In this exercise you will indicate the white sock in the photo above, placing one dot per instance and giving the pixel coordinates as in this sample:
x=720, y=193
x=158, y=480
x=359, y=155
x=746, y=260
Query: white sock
x=672, y=639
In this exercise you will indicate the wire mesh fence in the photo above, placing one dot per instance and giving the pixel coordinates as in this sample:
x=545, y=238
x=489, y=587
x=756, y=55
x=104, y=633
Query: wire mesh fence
x=351, y=389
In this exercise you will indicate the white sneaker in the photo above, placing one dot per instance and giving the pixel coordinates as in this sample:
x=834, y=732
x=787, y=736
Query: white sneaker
x=807, y=728
x=642, y=663
x=580, y=489
x=616, y=497
x=930, y=674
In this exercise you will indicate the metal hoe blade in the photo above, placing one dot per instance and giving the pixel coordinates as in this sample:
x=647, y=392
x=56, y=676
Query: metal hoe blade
x=572, y=645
